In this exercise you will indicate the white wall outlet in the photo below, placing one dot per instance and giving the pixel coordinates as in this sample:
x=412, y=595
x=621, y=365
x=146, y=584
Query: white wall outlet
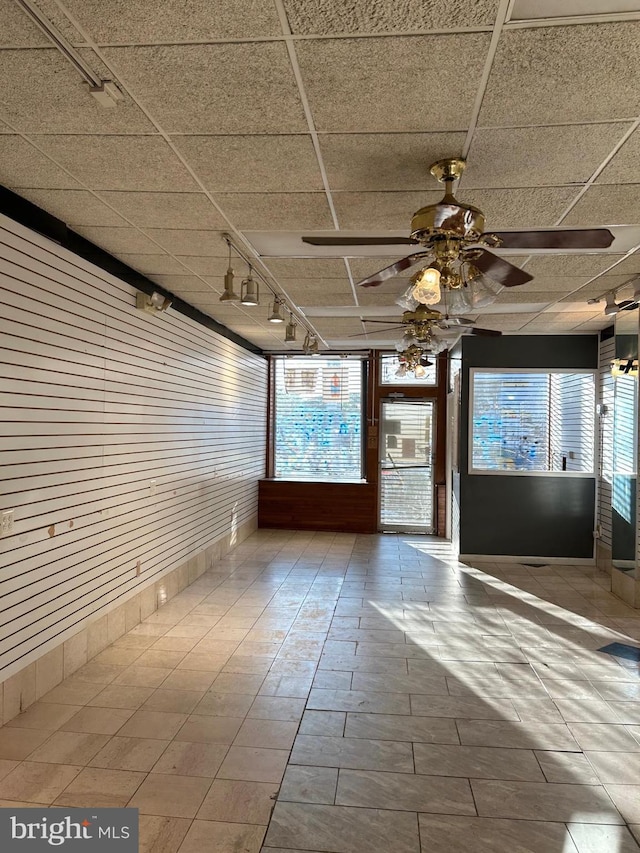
x=6, y=523
x=152, y=487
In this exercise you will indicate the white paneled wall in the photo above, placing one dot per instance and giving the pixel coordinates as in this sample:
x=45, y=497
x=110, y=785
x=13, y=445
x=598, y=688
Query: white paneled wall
x=129, y=443
x=606, y=399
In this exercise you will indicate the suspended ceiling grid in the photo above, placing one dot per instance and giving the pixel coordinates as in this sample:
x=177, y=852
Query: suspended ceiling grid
x=311, y=115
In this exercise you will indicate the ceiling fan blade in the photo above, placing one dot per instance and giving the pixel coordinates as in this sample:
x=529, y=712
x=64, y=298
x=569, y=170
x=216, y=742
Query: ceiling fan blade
x=497, y=269
x=561, y=238
x=486, y=332
x=364, y=320
x=389, y=272
x=458, y=321
x=390, y=329
x=359, y=241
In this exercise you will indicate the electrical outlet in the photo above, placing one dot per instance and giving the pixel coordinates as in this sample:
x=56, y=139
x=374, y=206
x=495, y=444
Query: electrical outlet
x=138, y=567
x=152, y=487
x=6, y=523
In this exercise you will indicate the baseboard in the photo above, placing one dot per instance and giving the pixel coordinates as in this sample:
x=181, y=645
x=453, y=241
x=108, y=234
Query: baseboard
x=58, y=660
x=546, y=561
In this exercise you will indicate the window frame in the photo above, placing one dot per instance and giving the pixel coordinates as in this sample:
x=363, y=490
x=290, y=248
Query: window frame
x=273, y=415
x=523, y=472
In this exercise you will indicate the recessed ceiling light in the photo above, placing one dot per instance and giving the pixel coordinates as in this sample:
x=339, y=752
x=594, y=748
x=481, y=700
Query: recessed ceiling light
x=531, y=10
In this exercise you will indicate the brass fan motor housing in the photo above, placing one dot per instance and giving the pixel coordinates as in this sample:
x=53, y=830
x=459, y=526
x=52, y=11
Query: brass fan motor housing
x=449, y=217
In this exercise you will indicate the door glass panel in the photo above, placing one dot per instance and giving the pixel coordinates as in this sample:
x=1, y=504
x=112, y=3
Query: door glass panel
x=406, y=473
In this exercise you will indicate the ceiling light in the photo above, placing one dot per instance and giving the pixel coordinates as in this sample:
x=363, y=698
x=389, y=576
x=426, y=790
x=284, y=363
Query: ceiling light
x=229, y=294
x=612, y=307
x=290, y=331
x=153, y=304
x=276, y=315
x=426, y=286
x=249, y=291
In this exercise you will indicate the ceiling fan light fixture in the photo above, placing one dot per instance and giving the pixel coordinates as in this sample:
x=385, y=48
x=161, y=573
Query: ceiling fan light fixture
x=458, y=301
x=426, y=286
x=479, y=293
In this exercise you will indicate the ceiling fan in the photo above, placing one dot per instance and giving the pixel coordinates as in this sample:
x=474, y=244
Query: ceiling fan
x=456, y=249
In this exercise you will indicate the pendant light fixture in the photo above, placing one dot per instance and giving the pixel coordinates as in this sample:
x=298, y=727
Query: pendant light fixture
x=249, y=290
x=290, y=331
x=229, y=294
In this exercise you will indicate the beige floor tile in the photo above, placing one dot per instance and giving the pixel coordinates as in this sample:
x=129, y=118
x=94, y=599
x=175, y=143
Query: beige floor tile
x=176, y=701
x=594, y=838
x=463, y=708
x=572, y=767
x=171, y=643
x=328, y=723
x=129, y=753
x=160, y=725
x=224, y=704
x=44, y=715
x=117, y=656
x=449, y=834
x=69, y=748
x=98, y=673
x=477, y=762
x=309, y=785
x=234, y=801
x=186, y=679
x=186, y=758
x=209, y=729
x=16, y=744
x=172, y=796
x=72, y=692
x=160, y=658
x=100, y=721
x=121, y=696
x=404, y=792
x=543, y=801
x=228, y=682
x=222, y=837
x=6, y=766
x=354, y=753
x=162, y=834
x=400, y=683
x=627, y=801
x=254, y=764
x=143, y=676
x=554, y=736
x=100, y=788
x=356, y=700
x=342, y=829
x=37, y=783
x=202, y=662
x=604, y=738
x=400, y=728
x=274, y=734
x=617, y=768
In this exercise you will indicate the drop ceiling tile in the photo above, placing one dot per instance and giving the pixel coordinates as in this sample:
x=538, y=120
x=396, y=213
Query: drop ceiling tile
x=309, y=17
x=552, y=284
x=607, y=205
x=202, y=265
x=214, y=88
x=628, y=266
x=624, y=167
x=179, y=284
x=274, y=211
x=305, y=267
x=256, y=163
x=557, y=75
x=17, y=29
x=386, y=161
x=387, y=84
x=538, y=156
x=521, y=208
x=515, y=296
x=600, y=286
x=384, y=295
x=122, y=240
x=166, y=210
x=504, y=322
x=141, y=21
x=75, y=207
x=43, y=93
x=144, y=163
x=375, y=210
x=190, y=242
x=314, y=296
x=293, y=287
x=570, y=265
x=157, y=264
x=22, y=165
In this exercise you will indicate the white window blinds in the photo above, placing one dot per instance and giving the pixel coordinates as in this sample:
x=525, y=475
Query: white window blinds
x=318, y=418
x=533, y=421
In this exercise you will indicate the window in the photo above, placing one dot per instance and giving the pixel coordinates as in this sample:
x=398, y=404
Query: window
x=533, y=421
x=389, y=366
x=318, y=418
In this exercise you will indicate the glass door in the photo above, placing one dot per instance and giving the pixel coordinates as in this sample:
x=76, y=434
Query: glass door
x=406, y=466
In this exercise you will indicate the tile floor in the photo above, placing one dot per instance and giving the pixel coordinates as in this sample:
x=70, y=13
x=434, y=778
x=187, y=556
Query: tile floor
x=376, y=692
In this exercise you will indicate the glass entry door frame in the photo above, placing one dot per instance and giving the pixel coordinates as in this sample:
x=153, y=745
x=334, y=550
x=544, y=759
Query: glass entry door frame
x=406, y=458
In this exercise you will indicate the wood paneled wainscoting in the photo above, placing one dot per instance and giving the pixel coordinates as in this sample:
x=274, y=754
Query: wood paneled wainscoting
x=303, y=505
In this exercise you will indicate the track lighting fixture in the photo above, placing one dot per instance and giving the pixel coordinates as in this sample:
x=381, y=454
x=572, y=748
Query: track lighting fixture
x=229, y=294
x=249, y=290
x=290, y=331
x=276, y=315
x=310, y=345
x=154, y=304
x=612, y=307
